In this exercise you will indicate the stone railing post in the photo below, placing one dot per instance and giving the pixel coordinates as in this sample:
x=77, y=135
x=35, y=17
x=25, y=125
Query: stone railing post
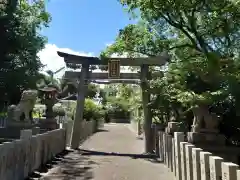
x=183, y=160
x=196, y=163
x=189, y=164
x=169, y=151
x=26, y=134
x=157, y=143
x=35, y=130
x=161, y=152
x=173, y=157
x=179, y=137
x=238, y=174
x=205, y=168
x=215, y=167
x=164, y=147
x=229, y=171
x=68, y=128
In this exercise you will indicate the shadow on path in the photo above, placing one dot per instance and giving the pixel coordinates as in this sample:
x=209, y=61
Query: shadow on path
x=101, y=130
x=67, y=166
x=150, y=157
x=72, y=165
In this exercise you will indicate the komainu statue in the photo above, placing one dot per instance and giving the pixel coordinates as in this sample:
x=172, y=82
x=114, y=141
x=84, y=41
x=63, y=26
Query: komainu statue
x=204, y=121
x=25, y=106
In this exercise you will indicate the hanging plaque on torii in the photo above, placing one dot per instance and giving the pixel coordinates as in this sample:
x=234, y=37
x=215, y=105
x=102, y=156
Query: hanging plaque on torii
x=114, y=69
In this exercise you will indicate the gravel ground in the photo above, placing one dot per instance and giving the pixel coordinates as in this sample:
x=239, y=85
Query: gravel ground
x=112, y=154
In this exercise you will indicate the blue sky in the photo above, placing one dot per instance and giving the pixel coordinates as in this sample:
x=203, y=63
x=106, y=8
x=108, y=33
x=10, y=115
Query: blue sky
x=81, y=27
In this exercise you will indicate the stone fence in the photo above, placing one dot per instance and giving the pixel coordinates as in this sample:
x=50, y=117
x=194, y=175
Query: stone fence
x=22, y=156
x=89, y=127
x=189, y=162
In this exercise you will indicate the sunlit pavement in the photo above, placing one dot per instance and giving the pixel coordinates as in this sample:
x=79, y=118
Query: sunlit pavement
x=114, y=153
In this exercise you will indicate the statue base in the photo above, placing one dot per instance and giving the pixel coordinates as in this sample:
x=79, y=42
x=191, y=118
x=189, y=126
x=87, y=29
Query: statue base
x=19, y=124
x=48, y=123
x=206, y=138
x=12, y=130
x=174, y=127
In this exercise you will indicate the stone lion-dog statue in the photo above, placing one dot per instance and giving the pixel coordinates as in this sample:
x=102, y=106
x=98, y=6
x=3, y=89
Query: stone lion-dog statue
x=26, y=105
x=202, y=115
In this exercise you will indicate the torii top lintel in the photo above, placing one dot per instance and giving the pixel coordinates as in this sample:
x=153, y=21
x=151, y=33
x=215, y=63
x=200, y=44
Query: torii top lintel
x=151, y=61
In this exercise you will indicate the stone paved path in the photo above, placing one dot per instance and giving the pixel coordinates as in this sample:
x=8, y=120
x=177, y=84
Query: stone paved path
x=108, y=155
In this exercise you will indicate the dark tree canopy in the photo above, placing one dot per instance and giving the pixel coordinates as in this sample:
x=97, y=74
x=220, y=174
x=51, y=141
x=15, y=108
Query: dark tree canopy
x=202, y=38
x=19, y=33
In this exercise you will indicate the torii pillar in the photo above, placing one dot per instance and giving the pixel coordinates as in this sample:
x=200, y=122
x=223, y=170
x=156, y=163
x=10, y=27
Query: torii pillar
x=149, y=146
x=78, y=120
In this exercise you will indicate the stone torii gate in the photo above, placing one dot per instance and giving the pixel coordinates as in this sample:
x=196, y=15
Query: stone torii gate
x=114, y=75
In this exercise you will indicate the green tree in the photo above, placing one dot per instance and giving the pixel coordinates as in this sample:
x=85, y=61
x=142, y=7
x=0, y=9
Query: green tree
x=69, y=87
x=46, y=80
x=202, y=38
x=20, y=25
x=92, y=111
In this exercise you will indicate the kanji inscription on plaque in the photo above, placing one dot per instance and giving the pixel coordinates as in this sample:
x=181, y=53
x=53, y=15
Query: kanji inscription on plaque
x=114, y=69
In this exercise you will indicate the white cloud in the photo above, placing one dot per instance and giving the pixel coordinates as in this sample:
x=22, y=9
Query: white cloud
x=50, y=58
x=109, y=44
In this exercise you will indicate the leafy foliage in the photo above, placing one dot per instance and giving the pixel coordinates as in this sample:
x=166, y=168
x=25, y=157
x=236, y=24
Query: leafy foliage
x=92, y=110
x=118, y=100
x=21, y=42
x=117, y=108
x=69, y=87
x=202, y=38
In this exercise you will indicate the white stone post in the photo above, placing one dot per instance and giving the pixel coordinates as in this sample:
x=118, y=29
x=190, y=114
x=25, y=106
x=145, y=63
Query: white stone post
x=169, y=151
x=204, y=163
x=179, y=137
x=189, y=163
x=215, y=167
x=238, y=174
x=161, y=146
x=173, y=157
x=229, y=171
x=26, y=134
x=35, y=130
x=196, y=163
x=164, y=147
x=69, y=127
x=183, y=159
x=157, y=142
x=166, y=150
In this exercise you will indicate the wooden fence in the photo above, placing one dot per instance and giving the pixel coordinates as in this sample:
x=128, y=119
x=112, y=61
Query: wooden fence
x=187, y=162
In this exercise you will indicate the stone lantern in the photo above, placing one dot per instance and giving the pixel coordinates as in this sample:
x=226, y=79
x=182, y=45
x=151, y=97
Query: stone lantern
x=49, y=98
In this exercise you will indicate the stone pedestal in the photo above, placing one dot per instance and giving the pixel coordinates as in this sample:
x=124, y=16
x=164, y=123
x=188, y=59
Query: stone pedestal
x=206, y=138
x=47, y=123
x=172, y=127
x=216, y=144
x=13, y=129
x=19, y=124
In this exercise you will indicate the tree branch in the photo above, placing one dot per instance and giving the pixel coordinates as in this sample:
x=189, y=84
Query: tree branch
x=182, y=46
x=143, y=53
x=178, y=26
